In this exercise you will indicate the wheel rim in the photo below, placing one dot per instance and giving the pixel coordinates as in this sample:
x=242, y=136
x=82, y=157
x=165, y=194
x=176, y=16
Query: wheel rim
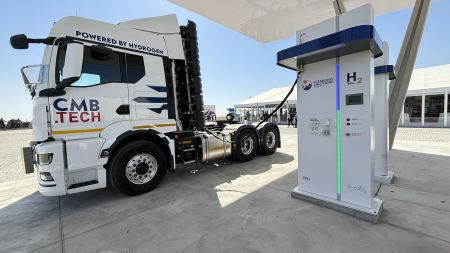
x=141, y=168
x=270, y=140
x=247, y=145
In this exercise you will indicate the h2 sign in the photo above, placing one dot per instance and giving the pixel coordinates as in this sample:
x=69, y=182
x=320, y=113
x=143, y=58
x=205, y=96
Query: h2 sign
x=353, y=79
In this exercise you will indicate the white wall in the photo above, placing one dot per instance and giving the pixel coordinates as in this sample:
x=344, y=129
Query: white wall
x=430, y=78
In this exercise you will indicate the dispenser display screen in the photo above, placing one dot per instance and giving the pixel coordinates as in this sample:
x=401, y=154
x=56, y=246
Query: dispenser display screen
x=354, y=99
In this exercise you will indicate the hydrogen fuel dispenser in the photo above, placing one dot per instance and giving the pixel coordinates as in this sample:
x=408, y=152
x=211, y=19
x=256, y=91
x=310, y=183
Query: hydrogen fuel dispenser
x=336, y=112
x=383, y=74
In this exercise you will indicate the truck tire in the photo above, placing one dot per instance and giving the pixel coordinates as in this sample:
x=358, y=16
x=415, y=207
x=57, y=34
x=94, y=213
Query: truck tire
x=246, y=146
x=270, y=141
x=138, y=167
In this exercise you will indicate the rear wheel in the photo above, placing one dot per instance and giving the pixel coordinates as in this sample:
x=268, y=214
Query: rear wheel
x=246, y=146
x=270, y=141
x=138, y=167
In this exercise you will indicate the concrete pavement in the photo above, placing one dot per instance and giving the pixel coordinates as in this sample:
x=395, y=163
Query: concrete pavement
x=236, y=207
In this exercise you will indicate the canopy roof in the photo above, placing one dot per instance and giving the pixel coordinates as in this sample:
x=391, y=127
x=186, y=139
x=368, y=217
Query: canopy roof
x=270, y=20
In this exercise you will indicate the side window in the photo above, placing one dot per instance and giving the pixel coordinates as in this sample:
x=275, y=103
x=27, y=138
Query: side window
x=135, y=68
x=95, y=70
x=61, y=56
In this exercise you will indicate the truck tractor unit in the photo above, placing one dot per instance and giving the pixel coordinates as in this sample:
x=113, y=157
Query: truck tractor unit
x=123, y=103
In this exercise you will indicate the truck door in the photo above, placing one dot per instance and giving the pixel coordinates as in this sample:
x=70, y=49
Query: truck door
x=98, y=99
x=147, y=88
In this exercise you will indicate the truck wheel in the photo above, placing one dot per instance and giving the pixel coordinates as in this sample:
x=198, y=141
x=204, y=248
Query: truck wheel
x=270, y=140
x=246, y=146
x=138, y=168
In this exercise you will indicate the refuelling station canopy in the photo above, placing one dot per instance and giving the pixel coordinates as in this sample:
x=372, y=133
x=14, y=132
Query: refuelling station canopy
x=270, y=20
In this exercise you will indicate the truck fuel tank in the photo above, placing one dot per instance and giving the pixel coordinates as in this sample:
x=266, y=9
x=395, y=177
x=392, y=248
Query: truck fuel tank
x=215, y=146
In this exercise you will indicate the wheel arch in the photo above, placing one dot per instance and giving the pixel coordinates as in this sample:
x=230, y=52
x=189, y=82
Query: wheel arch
x=235, y=129
x=140, y=135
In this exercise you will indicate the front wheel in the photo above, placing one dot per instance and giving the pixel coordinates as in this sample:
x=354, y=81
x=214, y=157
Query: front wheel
x=137, y=168
x=246, y=146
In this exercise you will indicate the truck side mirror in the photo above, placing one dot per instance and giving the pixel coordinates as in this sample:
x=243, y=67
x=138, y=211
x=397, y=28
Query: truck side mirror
x=73, y=62
x=19, y=41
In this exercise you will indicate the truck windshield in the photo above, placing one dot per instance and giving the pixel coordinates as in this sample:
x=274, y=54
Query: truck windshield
x=34, y=75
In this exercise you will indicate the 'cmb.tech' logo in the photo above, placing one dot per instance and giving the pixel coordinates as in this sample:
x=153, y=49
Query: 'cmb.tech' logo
x=306, y=85
x=73, y=111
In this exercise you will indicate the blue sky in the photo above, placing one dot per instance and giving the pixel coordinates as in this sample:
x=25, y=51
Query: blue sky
x=233, y=67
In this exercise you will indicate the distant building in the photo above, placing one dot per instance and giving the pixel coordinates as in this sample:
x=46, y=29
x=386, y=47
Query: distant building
x=210, y=112
x=427, y=102
x=253, y=108
x=210, y=108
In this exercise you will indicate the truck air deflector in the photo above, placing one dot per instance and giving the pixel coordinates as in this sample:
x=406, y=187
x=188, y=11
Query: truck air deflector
x=386, y=69
x=345, y=42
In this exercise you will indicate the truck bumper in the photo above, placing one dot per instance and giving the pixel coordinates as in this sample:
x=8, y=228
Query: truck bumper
x=50, y=178
x=62, y=174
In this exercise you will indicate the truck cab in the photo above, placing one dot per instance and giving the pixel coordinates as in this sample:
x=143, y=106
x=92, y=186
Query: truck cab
x=123, y=103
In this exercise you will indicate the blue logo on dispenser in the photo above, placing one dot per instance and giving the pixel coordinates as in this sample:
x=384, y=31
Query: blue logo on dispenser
x=306, y=85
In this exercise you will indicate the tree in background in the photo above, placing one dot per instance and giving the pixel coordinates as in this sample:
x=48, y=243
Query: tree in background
x=13, y=124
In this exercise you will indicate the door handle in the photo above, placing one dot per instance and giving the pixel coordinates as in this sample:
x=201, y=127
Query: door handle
x=123, y=110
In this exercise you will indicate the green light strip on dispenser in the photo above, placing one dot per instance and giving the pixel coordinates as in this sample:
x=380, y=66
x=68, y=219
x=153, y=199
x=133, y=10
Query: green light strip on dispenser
x=338, y=152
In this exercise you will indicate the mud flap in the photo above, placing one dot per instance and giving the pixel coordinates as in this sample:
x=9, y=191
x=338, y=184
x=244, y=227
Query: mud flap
x=27, y=160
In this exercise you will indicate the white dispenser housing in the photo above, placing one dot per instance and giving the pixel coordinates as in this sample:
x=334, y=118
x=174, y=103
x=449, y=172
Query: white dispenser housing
x=335, y=108
x=383, y=74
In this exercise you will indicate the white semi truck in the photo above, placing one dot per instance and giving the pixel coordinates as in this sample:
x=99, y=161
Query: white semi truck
x=123, y=103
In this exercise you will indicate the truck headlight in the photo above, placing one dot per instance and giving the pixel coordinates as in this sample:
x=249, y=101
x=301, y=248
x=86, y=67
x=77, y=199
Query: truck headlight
x=44, y=159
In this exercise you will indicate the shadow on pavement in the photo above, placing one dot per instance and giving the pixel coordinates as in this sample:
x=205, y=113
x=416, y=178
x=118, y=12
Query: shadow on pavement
x=224, y=207
x=33, y=221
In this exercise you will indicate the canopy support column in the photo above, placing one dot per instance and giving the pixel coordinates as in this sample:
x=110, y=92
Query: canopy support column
x=405, y=65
